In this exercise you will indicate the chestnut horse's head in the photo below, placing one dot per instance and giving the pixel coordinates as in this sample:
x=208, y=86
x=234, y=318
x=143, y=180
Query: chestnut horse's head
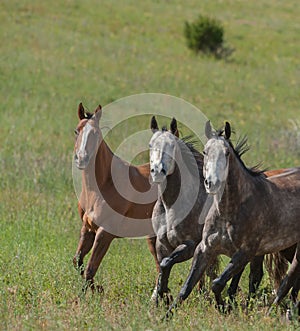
x=88, y=135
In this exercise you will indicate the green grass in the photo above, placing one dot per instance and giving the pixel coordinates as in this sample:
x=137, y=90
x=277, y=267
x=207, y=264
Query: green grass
x=54, y=55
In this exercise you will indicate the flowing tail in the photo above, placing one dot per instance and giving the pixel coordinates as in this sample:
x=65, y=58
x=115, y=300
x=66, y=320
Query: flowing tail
x=277, y=267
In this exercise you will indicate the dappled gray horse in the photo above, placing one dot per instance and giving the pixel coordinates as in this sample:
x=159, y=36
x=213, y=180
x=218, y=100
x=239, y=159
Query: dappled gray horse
x=251, y=215
x=175, y=217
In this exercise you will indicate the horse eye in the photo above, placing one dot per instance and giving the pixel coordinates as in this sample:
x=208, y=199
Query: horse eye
x=204, y=152
x=76, y=132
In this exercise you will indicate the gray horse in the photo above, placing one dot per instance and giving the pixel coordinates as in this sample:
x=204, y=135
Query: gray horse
x=175, y=217
x=251, y=215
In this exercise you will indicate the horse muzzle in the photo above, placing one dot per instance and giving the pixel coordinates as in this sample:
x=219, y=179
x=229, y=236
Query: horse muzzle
x=212, y=187
x=158, y=176
x=81, y=162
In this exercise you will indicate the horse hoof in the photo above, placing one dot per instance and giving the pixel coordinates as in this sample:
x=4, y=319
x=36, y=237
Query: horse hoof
x=75, y=262
x=99, y=289
x=168, y=298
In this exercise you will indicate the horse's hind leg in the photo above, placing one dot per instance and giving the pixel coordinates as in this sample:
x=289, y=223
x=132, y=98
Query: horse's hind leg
x=151, y=241
x=256, y=274
x=295, y=291
x=182, y=253
x=255, y=277
x=101, y=244
x=291, y=278
x=294, y=294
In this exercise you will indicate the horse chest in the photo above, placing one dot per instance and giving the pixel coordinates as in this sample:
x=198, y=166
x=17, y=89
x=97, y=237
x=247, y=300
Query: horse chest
x=223, y=234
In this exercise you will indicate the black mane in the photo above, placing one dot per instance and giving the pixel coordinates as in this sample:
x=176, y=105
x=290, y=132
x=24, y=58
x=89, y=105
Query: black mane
x=240, y=149
x=190, y=141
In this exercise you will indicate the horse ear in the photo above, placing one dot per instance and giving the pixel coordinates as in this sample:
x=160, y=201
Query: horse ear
x=153, y=125
x=173, y=127
x=98, y=112
x=208, y=130
x=227, y=130
x=81, y=111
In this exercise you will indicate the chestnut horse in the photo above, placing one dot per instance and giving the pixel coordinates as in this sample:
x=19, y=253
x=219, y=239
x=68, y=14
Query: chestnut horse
x=105, y=212
x=251, y=215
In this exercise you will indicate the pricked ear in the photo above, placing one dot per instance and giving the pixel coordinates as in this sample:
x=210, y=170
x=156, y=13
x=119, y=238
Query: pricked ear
x=81, y=111
x=227, y=130
x=98, y=112
x=153, y=125
x=208, y=130
x=173, y=127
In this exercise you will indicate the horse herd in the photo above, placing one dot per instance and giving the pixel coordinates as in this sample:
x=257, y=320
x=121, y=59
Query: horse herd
x=202, y=206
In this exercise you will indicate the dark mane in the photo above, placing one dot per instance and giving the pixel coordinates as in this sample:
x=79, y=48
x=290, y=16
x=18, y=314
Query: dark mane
x=191, y=142
x=240, y=149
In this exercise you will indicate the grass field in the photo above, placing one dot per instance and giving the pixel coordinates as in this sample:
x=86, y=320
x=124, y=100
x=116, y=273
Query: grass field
x=56, y=54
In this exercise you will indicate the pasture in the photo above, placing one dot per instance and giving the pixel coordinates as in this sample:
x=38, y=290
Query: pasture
x=54, y=55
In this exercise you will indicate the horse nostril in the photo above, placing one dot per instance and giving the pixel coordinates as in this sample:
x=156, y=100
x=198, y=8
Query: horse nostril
x=207, y=183
x=163, y=171
x=152, y=171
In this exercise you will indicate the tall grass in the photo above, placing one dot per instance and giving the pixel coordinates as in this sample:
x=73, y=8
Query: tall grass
x=56, y=54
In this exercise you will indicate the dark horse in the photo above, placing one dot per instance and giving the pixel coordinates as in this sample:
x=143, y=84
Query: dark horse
x=106, y=214
x=251, y=215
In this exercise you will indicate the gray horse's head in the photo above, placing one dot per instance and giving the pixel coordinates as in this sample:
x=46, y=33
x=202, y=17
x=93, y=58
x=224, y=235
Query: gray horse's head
x=163, y=147
x=216, y=159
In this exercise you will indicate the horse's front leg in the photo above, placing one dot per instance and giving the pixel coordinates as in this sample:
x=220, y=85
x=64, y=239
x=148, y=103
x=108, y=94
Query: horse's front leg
x=101, y=244
x=237, y=263
x=182, y=253
x=203, y=256
x=163, y=249
x=232, y=289
x=85, y=244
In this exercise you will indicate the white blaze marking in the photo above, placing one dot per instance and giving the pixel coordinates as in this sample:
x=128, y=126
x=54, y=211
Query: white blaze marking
x=86, y=130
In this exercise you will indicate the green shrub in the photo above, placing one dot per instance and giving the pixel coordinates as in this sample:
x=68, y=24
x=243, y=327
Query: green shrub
x=205, y=35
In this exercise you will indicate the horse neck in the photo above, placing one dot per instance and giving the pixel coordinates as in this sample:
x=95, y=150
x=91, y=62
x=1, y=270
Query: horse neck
x=239, y=186
x=103, y=163
x=98, y=172
x=170, y=192
x=181, y=174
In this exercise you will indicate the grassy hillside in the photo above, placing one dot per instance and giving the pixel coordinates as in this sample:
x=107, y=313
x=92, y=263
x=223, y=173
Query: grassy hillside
x=56, y=54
